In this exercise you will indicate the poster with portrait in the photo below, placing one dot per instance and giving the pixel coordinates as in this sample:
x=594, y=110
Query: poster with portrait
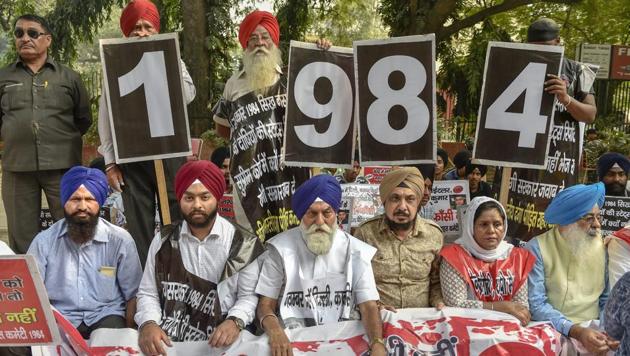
x=364, y=202
x=446, y=197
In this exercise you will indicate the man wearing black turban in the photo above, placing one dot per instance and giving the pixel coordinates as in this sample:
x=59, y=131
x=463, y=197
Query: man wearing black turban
x=612, y=169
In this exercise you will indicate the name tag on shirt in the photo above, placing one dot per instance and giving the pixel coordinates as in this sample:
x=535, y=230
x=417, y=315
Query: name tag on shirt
x=108, y=271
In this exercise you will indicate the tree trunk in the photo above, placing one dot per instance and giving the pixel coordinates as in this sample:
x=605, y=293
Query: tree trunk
x=195, y=54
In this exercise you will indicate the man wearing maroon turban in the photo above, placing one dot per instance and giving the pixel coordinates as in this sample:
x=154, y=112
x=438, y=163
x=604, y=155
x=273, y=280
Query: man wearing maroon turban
x=259, y=85
x=199, y=279
x=137, y=181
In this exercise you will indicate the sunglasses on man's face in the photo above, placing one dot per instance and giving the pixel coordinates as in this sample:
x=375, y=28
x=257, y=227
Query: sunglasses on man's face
x=32, y=33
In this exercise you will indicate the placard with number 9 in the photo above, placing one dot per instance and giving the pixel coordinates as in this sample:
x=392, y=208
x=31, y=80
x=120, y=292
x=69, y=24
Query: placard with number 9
x=319, y=120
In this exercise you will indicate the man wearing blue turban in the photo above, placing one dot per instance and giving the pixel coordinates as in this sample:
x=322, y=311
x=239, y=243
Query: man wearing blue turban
x=612, y=169
x=568, y=285
x=317, y=274
x=90, y=266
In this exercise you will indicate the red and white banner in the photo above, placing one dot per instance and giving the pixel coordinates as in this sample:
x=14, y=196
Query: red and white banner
x=452, y=331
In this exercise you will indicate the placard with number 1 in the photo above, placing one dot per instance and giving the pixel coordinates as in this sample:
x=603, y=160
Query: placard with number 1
x=144, y=91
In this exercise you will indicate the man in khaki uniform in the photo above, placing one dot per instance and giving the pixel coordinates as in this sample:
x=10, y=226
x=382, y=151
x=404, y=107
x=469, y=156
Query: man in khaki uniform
x=406, y=264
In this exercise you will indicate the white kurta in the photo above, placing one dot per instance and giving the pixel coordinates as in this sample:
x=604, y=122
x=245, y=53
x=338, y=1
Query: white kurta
x=317, y=289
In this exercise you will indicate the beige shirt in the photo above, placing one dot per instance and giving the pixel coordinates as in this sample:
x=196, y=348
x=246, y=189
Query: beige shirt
x=406, y=272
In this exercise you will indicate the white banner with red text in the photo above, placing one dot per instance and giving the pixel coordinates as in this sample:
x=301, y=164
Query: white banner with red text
x=452, y=331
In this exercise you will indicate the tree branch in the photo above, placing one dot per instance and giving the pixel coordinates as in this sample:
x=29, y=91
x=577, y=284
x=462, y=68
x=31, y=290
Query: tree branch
x=506, y=5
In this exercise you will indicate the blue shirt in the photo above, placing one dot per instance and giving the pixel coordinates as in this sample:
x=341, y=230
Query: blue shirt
x=452, y=175
x=90, y=281
x=539, y=306
x=617, y=323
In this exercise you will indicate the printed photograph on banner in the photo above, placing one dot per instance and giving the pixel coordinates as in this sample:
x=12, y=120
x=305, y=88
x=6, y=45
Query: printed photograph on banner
x=320, y=107
x=26, y=317
x=395, y=94
x=516, y=114
x=375, y=174
x=615, y=214
x=446, y=197
x=144, y=92
x=365, y=202
x=343, y=215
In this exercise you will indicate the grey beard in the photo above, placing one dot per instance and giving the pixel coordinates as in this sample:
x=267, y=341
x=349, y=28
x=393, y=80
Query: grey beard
x=260, y=70
x=319, y=242
x=577, y=240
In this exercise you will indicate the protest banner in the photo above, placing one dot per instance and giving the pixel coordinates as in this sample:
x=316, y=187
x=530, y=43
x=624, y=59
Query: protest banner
x=25, y=314
x=226, y=207
x=320, y=129
x=620, y=62
x=263, y=186
x=446, y=197
x=395, y=95
x=144, y=90
x=375, y=174
x=516, y=114
x=451, y=331
x=364, y=201
x=615, y=214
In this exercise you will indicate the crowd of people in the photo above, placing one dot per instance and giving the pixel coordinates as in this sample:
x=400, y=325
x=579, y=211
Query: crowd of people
x=203, y=277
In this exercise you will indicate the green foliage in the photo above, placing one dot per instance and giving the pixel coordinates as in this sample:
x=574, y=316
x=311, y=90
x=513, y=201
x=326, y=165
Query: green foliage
x=213, y=139
x=609, y=141
x=345, y=21
x=75, y=21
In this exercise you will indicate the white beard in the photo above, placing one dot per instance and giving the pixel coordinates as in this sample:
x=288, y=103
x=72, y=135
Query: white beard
x=319, y=242
x=577, y=240
x=260, y=67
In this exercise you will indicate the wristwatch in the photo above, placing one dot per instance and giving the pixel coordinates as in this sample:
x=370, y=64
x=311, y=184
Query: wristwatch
x=239, y=323
x=377, y=340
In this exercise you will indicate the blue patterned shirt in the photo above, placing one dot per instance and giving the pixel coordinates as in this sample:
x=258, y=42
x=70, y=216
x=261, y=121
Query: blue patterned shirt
x=617, y=321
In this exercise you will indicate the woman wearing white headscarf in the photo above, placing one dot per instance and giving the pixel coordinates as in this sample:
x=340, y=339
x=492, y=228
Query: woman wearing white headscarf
x=481, y=270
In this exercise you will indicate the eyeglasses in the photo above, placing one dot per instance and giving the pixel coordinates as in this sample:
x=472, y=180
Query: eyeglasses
x=590, y=218
x=32, y=33
x=255, y=38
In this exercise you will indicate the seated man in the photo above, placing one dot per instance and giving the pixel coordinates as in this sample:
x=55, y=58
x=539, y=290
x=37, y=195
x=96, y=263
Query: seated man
x=612, y=170
x=316, y=274
x=568, y=284
x=198, y=283
x=90, y=266
x=406, y=265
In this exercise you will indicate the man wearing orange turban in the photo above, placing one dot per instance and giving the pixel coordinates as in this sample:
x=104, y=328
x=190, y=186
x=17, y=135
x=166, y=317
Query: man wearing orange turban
x=140, y=18
x=255, y=97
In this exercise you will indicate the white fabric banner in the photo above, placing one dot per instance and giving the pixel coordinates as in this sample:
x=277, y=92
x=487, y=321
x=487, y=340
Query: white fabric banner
x=452, y=331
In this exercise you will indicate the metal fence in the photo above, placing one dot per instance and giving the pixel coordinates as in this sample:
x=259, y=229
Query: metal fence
x=612, y=98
